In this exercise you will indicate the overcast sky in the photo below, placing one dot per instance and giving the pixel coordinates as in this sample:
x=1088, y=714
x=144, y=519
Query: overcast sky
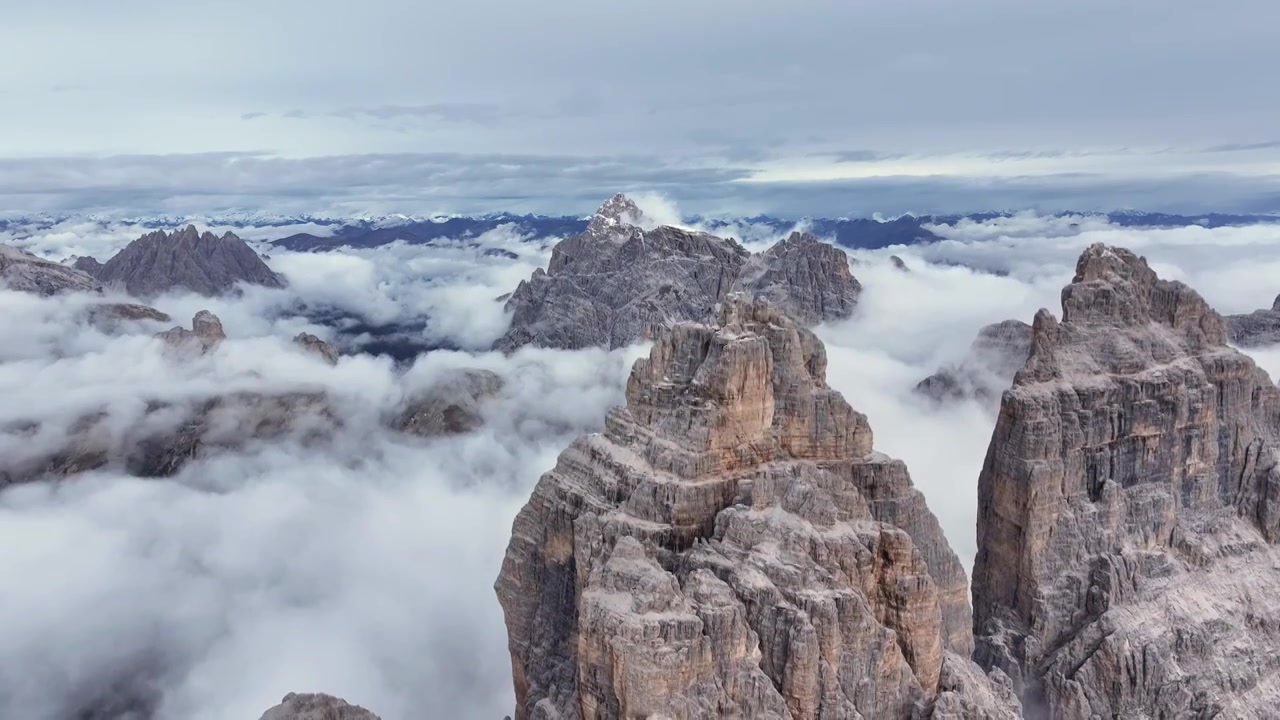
x=798, y=106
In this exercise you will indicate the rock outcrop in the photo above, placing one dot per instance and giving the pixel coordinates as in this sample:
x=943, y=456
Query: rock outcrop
x=189, y=260
x=1260, y=327
x=313, y=344
x=451, y=405
x=315, y=706
x=802, y=277
x=109, y=317
x=996, y=355
x=1128, y=509
x=25, y=272
x=732, y=546
x=617, y=283
x=206, y=333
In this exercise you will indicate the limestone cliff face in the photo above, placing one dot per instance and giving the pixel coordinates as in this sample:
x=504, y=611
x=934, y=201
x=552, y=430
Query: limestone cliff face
x=997, y=353
x=1127, y=509
x=732, y=546
x=617, y=283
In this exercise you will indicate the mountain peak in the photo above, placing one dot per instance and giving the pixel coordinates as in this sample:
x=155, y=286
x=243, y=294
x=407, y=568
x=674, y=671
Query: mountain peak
x=618, y=210
x=185, y=259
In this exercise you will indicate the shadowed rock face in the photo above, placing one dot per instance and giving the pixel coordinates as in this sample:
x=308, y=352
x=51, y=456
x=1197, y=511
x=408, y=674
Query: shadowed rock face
x=315, y=706
x=184, y=260
x=1128, y=508
x=1260, y=327
x=450, y=406
x=616, y=283
x=24, y=272
x=997, y=353
x=732, y=546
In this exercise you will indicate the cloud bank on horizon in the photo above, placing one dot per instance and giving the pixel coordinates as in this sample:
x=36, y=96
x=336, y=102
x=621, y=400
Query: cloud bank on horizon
x=822, y=108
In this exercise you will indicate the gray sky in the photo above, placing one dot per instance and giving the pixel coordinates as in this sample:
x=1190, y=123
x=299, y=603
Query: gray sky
x=809, y=106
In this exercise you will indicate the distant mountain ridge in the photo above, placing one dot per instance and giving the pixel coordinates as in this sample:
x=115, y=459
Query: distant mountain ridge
x=861, y=233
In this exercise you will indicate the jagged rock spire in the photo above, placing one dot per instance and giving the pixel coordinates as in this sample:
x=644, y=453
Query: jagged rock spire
x=1126, y=509
x=187, y=259
x=617, y=211
x=732, y=546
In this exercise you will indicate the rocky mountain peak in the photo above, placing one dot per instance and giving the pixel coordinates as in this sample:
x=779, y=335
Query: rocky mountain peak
x=183, y=260
x=1134, y=464
x=316, y=706
x=1115, y=287
x=618, y=292
x=732, y=546
x=617, y=211
x=206, y=333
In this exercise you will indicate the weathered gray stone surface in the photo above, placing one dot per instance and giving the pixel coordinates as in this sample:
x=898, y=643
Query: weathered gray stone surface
x=987, y=369
x=202, y=263
x=617, y=283
x=1260, y=327
x=802, y=277
x=732, y=546
x=316, y=706
x=451, y=405
x=206, y=333
x=313, y=344
x=25, y=272
x=1128, y=507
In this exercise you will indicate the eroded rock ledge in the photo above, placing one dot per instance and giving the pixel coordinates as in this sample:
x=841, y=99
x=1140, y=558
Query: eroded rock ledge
x=733, y=546
x=1128, y=508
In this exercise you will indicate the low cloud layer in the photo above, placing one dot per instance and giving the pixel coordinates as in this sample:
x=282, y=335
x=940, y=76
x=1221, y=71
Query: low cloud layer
x=425, y=183
x=363, y=566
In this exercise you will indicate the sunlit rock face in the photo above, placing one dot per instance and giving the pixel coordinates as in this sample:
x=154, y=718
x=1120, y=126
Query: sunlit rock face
x=618, y=283
x=733, y=546
x=1128, y=508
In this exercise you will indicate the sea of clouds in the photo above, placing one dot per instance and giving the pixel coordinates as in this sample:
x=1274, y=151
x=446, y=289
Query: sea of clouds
x=363, y=566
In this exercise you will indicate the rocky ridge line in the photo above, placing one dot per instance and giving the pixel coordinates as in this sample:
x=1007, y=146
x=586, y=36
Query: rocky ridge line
x=618, y=282
x=187, y=259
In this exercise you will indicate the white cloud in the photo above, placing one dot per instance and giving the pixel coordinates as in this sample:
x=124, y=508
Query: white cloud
x=364, y=566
